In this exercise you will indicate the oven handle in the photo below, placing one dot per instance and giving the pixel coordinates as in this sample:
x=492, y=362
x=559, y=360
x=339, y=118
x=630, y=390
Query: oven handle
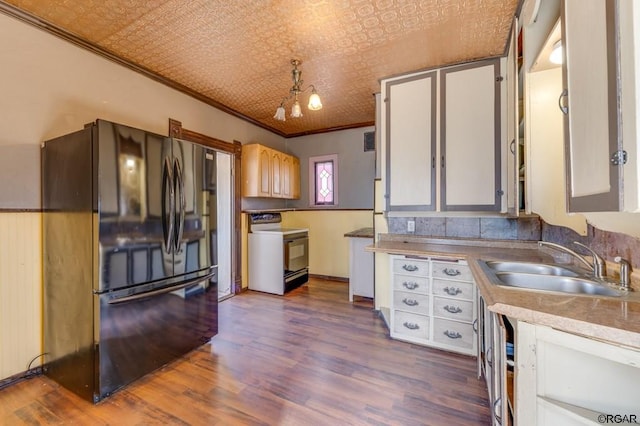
x=288, y=240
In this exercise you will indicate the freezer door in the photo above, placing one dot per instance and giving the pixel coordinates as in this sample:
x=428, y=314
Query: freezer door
x=143, y=328
x=135, y=184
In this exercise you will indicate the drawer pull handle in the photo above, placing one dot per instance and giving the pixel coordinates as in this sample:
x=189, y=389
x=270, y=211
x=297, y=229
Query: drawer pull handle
x=410, y=302
x=497, y=403
x=410, y=268
x=452, y=334
x=475, y=325
x=410, y=325
x=452, y=309
x=451, y=272
x=410, y=285
x=451, y=291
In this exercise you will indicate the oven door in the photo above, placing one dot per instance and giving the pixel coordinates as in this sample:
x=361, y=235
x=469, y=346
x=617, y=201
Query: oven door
x=296, y=252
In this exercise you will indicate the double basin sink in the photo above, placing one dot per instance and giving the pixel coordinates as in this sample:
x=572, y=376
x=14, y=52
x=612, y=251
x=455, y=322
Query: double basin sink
x=546, y=277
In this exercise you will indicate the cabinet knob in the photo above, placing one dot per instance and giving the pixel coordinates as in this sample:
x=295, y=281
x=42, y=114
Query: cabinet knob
x=452, y=309
x=563, y=108
x=410, y=285
x=452, y=334
x=410, y=302
x=451, y=272
x=411, y=325
x=451, y=291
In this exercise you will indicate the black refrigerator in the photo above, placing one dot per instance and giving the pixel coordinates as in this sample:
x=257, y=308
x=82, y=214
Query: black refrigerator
x=129, y=260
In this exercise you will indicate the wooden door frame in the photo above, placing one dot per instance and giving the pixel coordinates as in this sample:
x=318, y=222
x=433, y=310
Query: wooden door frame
x=177, y=131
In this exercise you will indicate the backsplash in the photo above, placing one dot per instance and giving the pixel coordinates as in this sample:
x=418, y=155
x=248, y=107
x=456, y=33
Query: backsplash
x=495, y=228
x=607, y=244
x=528, y=228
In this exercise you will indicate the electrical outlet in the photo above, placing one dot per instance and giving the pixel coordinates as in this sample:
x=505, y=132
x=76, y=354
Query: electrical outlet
x=411, y=226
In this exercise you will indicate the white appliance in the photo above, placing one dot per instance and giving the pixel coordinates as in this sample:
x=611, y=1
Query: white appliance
x=278, y=257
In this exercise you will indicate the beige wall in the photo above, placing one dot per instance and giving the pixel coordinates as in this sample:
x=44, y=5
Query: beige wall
x=328, y=247
x=50, y=87
x=20, y=291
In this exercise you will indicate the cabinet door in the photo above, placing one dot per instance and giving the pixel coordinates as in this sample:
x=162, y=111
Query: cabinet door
x=276, y=174
x=512, y=152
x=592, y=118
x=264, y=172
x=256, y=175
x=286, y=176
x=411, y=143
x=470, y=134
x=295, y=178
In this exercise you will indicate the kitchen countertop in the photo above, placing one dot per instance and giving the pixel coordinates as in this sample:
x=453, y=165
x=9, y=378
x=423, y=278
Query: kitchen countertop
x=613, y=319
x=360, y=233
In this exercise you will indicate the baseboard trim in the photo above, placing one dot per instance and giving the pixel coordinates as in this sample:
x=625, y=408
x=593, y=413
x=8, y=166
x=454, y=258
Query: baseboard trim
x=17, y=378
x=329, y=278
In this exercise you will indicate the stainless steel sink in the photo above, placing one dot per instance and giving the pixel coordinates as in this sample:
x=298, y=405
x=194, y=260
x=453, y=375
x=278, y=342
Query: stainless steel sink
x=531, y=268
x=545, y=277
x=563, y=284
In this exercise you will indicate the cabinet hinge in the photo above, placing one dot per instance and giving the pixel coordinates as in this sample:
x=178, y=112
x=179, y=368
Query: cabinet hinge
x=500, y=192
x=499, y=79
x=619, y=157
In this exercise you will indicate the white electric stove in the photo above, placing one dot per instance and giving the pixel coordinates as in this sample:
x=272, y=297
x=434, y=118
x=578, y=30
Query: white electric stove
x=278, y=257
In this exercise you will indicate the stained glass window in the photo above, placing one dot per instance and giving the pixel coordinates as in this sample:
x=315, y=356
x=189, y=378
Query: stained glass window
x=324, y=182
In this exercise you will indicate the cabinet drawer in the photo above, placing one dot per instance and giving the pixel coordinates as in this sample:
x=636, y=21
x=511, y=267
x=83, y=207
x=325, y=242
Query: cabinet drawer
x=454, y=289
x=452, y=270
x=461, y=310
x=411, y=267
x=453, y=333
x=411, y=284
x=412, y=325
x=411, y=302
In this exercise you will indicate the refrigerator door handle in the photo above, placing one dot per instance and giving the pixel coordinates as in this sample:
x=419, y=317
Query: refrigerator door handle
x=181, y=203
x=184, y=284
x=168, y=217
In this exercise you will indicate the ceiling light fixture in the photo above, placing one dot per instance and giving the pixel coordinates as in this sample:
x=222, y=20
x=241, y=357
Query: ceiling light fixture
x=556, y=54
x=296, y=111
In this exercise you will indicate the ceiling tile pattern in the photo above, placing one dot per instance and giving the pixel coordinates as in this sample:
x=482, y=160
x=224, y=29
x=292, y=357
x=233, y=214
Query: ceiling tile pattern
x=237, y=53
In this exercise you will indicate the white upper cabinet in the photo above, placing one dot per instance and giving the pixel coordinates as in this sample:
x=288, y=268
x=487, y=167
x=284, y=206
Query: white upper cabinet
x=461, y=107
x=591, y=105
x=411, y=142
x=470, y=137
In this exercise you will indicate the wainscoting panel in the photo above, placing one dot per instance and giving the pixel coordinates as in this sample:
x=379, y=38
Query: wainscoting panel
x=20, y=291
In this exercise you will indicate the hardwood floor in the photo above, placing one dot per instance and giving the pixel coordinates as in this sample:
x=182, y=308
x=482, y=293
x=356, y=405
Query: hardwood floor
x=308, y=358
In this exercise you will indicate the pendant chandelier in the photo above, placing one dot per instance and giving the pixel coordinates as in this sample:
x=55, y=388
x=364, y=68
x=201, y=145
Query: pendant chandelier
x=296, y=111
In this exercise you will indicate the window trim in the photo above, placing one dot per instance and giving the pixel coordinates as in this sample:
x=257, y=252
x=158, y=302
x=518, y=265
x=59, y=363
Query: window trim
x=312, y=179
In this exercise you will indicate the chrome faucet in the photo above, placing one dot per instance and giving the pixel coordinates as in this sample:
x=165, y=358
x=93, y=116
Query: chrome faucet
x=624, y=272
x=597, y=264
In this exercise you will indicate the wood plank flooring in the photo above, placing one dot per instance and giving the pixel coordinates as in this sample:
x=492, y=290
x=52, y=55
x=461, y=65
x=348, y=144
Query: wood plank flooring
x=309, y=358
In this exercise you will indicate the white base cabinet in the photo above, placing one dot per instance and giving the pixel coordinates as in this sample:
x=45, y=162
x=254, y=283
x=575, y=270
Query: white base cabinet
x=360, y=268
x=562, y=378
x=432, y=303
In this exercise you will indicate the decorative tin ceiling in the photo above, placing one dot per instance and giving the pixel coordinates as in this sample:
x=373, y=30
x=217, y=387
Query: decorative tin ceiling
x=237, y=53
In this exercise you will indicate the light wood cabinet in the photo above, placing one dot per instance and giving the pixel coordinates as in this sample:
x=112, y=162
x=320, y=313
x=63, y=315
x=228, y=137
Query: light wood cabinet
x=432, y=303
x=277, y=174
x=467, y=100
x=295, y=178
x=267, y=172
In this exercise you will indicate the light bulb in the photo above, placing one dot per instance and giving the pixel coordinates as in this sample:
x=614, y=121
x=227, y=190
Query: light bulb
x=296, y=111
x=556, y=54
x=314, y=102
x=280, y=114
